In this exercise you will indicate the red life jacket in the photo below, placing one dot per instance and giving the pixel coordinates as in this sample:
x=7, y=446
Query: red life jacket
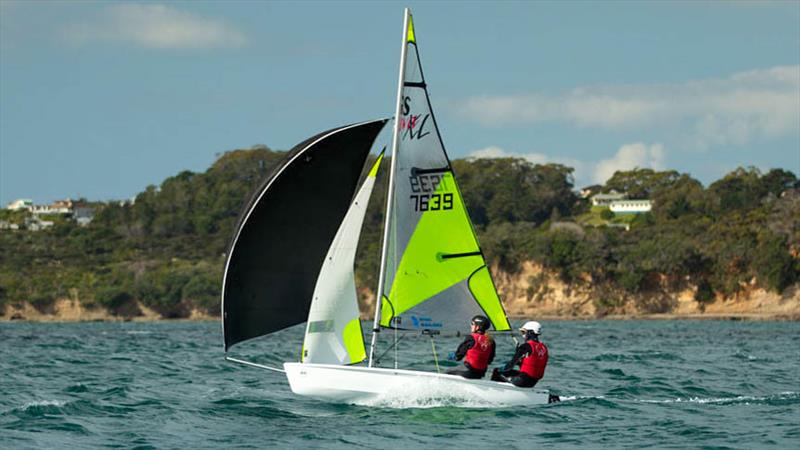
x=478, y=356
x=533, y=365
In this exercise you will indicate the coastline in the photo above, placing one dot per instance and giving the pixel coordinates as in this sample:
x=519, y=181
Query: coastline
x=71, y=310
x=530, y=293
x=648, y=317
x=26, y=313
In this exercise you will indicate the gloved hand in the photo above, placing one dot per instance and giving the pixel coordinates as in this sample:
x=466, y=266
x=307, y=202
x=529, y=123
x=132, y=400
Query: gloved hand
x=451, y=356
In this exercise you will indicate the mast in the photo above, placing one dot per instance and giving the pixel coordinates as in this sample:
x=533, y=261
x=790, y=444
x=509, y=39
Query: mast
x=376, y=328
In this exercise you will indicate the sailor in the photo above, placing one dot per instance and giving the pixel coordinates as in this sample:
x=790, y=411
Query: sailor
x=477, y=350
x=530, y=355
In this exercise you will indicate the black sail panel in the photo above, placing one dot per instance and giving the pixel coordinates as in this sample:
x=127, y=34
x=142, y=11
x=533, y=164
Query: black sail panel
x=284, y=232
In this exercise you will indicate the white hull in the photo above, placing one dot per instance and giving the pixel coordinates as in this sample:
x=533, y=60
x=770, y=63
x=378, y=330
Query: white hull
x=373, y=385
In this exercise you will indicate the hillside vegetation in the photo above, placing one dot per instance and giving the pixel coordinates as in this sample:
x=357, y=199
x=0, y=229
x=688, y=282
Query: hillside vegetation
x=167, y=249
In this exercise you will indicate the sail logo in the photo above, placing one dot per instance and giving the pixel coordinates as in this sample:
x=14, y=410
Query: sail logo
x=425, y=323
x=414, y=128
x=410, y=124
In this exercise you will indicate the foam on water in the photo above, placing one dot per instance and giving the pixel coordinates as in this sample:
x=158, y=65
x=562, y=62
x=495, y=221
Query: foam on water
x=746, y=399
x=570, y=398
x=37, y=403
x=429, y=393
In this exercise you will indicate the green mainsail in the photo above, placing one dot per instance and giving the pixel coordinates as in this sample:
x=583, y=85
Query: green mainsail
x=436, y=275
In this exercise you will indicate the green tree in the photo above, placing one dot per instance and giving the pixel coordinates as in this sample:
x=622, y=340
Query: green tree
x=641, y=183
x=775, y=267
x=740, y=189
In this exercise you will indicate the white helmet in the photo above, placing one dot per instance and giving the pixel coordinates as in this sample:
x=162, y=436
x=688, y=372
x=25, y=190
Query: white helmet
x=532, y=326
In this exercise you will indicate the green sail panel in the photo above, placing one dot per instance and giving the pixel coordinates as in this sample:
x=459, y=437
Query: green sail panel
x=436, y=276
x=442, y=269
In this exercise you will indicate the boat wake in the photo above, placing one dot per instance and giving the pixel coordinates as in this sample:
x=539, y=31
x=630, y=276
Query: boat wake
x=432, y=393
x=790, y=397
x=428, y=394
x=570, y=398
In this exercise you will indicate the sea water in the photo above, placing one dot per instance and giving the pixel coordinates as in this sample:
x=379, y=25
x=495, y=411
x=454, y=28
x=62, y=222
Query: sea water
x=624, y=384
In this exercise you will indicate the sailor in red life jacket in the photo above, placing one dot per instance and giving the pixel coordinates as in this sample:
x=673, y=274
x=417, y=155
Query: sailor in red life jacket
x=531, y=356
x=477, y=350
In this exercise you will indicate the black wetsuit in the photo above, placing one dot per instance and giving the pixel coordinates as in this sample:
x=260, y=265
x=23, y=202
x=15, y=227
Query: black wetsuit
x=468, y=371
x=513, y=376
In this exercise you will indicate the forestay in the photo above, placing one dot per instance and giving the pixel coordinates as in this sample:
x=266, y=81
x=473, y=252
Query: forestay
x=286, y=230
x=435, y=276
x=333, y=333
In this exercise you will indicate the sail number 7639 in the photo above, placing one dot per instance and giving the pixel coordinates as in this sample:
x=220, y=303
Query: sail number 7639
x=423, y=192
x=432, y=202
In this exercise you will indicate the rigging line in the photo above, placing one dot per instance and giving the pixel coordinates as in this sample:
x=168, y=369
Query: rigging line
x=378, y=359
x=516, y=341
x=395, y=347
x=435, y=356
x=248, y=363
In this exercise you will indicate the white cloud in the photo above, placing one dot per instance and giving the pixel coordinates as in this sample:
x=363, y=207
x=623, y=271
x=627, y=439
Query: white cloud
x=627, y=157
x=156, y=26
x=732, y=110
x=497, y=152
x=630, y=156
x=532, y=157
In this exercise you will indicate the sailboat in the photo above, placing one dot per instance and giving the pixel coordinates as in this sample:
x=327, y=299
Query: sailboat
x=292, y=257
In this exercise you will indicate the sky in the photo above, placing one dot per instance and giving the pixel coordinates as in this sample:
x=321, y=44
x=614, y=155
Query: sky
x=101, y=99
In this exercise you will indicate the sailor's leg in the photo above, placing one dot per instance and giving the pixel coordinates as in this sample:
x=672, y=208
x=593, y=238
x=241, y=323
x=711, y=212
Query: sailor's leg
x=523, y=380
x=462, y=372
x=504, y=376
x=474, y=374
x=466, y=373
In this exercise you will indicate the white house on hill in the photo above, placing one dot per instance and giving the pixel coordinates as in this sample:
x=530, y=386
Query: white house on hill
x=606, y=199
x=23, y=203
x=630, y=206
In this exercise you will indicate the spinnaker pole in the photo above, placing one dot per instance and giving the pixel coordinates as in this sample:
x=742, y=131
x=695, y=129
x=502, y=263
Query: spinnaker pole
x=376, y=326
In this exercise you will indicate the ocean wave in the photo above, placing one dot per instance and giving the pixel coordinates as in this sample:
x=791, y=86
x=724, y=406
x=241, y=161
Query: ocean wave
x=40, y=403
x=569, y=398
x=637, y=357
x=179, y=392
x=745, y=399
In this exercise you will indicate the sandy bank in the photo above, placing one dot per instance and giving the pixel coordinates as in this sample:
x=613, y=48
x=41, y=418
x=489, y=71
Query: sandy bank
x=534, y=292
x=71, y=310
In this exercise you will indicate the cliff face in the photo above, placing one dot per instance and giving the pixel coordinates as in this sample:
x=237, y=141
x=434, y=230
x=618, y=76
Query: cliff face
x=72, y=310
x=536, y=293
x=532, y=292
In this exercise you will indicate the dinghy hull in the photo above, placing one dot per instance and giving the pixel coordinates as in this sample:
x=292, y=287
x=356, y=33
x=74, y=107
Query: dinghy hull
x=364, y=385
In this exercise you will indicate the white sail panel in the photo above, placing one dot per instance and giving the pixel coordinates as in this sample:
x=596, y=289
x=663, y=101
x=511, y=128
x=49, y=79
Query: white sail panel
x=333, y=333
